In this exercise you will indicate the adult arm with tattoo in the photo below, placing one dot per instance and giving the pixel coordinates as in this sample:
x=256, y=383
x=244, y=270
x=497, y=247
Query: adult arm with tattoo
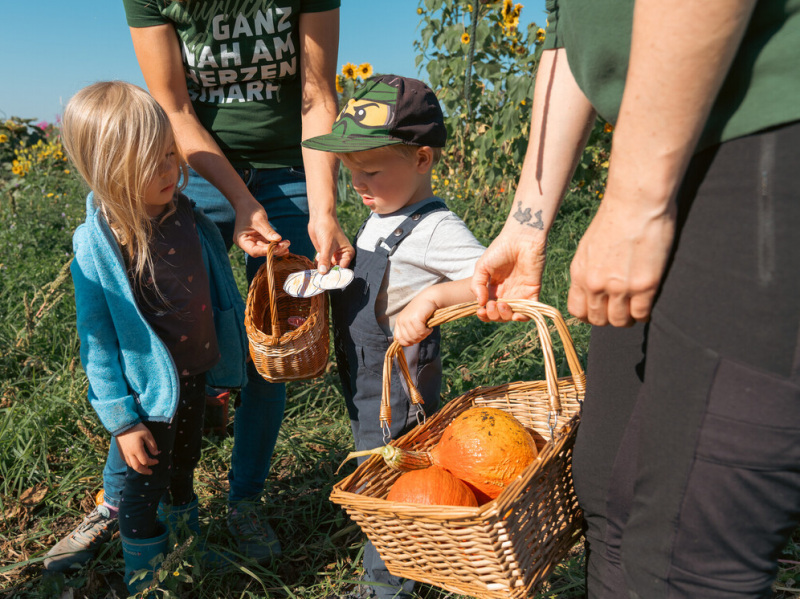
x=561, y=121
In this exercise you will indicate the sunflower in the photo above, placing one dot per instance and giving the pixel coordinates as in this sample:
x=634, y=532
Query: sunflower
x=365, y=70
x=339, y=86
x=350, y=71
x=465, y=38
x=608, y=127
x=540, y=35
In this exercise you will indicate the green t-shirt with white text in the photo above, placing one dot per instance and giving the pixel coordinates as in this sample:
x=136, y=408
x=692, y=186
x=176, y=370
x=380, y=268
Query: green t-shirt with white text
x=242, y=64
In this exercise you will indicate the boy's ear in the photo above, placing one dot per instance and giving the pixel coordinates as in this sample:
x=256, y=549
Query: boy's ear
x=424, y=159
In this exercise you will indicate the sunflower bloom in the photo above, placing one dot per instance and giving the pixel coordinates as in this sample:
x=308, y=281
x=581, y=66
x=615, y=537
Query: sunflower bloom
x=350, y=71
x=419, y=11
x=608, y=127
x=3, y=138
x=339, y=86
x=540, y=35
x=465, y=38
x=365, y=70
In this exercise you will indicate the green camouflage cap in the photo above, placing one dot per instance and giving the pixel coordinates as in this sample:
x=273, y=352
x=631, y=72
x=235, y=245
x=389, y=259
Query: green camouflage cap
x=388, y=110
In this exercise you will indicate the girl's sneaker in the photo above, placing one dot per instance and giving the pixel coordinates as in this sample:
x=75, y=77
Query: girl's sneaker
x=79, y=546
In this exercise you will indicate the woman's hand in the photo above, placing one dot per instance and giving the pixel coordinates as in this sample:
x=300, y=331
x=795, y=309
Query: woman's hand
x=333, y=247
x=252, y=231
x=619, y=263
x=510, y=268
x=137, y=445
x=411, y=325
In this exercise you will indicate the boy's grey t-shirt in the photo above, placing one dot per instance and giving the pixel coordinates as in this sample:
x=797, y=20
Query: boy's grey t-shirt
x=440, y=248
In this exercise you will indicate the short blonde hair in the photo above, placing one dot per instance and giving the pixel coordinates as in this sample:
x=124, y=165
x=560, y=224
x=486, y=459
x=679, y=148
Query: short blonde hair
x=116, y=135
x=407, y=150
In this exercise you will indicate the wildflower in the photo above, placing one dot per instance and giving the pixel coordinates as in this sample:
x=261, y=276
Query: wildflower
x=608, y=127
x=339, y=87
x=66, y=171
x=350, y=71
x=465, y=38
x=365, y=70
x=3, y=138
x=50, y=195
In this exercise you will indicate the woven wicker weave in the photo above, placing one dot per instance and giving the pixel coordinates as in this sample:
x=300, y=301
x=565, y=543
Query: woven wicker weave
x=279, y=351
x=509, y=546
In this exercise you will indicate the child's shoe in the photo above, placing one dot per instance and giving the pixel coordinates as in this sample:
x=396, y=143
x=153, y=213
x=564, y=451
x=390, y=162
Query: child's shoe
x=79, y=546
x=143, y=554
x=254, y=536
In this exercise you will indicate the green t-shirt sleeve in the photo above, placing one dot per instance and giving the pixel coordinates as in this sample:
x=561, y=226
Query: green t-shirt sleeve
x=552, y=39
x=144, y=13
x=320, y=5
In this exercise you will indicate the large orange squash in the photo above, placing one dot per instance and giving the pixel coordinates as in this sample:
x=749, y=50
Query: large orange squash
x=431, y=486
x=485, y=447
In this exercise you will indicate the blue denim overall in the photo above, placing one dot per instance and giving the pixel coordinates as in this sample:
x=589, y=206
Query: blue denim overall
x=361, y=343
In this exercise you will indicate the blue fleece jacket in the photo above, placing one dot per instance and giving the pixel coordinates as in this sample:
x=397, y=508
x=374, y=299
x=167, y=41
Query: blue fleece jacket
x=132, y=377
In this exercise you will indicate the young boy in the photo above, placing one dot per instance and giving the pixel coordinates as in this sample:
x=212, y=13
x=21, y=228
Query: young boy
x=411, y=247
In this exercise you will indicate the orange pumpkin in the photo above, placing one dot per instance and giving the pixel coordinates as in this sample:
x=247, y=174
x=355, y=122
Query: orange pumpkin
x=431, y=486
x=485, y=447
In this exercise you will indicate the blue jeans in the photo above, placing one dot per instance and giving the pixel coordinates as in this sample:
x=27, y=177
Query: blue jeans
x=282, y=193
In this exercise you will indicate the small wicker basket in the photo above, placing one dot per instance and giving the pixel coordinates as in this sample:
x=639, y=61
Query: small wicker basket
x=279, y=351
x=503, y=549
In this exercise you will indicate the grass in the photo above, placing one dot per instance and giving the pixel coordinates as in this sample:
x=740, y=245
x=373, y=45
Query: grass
x=52, y=447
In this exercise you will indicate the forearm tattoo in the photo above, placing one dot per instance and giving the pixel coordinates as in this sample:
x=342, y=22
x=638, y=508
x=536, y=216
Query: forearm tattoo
x=524, y=217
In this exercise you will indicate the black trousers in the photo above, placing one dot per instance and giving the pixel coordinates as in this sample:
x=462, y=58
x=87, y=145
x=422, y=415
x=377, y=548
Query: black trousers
x=172, y=481
x=687, y=462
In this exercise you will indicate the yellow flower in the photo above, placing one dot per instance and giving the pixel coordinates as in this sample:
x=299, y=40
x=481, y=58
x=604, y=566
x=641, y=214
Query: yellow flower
x=339, y=87
x=50, y=195
x=350, y=71
x=469, y=7
x=465, y=38
x=419, y=11
x=3, y=138
x=66, y=171
x=608, y=127
x=540, y=35
x=365, y=70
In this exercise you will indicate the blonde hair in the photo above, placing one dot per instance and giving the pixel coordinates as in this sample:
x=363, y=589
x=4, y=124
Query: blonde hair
x=408, y=151
x=116, y=135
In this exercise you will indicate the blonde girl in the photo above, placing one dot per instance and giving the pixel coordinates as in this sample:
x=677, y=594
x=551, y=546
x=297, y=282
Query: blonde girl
x=151, y=291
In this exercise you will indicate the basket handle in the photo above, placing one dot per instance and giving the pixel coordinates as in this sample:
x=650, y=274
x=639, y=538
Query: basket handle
x=536, y=311
x=272, y=293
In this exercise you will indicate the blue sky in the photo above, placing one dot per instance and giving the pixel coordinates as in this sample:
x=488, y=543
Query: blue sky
x=52, y=48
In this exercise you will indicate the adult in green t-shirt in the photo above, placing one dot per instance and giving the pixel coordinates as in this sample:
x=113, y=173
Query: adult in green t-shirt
x=243, y=82
x=686, y=458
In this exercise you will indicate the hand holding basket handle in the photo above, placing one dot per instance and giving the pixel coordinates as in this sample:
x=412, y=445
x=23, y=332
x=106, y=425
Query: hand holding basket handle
x=535, y=311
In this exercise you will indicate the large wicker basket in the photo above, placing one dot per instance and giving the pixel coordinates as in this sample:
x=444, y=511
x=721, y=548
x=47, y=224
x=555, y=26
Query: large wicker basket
x=279, y=351
x=507, y=547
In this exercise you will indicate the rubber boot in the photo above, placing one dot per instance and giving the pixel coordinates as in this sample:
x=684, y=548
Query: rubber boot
x=181, y=520
x=143, y=554
x=184, y=521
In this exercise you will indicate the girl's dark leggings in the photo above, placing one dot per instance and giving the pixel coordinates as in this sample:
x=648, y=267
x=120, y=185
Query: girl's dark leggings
x=179, y=444
x=687, y=461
